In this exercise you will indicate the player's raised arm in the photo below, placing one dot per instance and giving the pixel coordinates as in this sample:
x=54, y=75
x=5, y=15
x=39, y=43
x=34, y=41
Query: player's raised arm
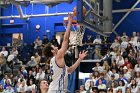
x=82, y=55
x=65, y=41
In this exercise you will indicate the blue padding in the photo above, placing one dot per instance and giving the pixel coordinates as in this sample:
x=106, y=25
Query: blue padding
x=71, y=80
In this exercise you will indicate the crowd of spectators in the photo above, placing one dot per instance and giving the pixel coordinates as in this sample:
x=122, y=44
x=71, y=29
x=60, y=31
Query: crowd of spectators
x=118, y=71
x=33, y=68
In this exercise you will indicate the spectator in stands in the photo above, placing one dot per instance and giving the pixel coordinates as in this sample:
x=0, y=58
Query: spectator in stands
x=110, y=90
x=24, y=71
x=9, y=89
x=14, y=51
x=7, y=83
x=96, y=76
x=133, y=86
x=106, y=65
x=137, y=77
x=106, y=75
x=82, y=89
x=114, y=87
x=89, y=39
x=32, y=62
x=98, y=68
x=112, y=82
x=135, y=36
x=138, y=45
x=37, y=58
x=138, y=57
x=121, y=86
x=128, y=90
x=31, y=86
x=124, y=53
x=127, y=74
x=38, y=44
x=23, y=87
x=101, y=86
x=132, y=42
x=1, y=89
x=95, y=90
x=124, y=36
x=97, y=55
x=107, y=57
x=124, y=43
x=55, y=42
x=116, y=75
x=114, y=53
x=30, y=77
x=45, y=40
x=115, y=44
x=97, y=40
x=43, y=86
x=88, y=86
x=137, y=67
x=114, y=65
x=121, y=77
x=4, y=51
x=119, y=60
x=40, y=75
x=101, y=78
x=2, y=63
x=127, y=62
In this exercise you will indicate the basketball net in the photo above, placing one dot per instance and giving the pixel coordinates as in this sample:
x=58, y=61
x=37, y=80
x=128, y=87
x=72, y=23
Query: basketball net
x=77, y=36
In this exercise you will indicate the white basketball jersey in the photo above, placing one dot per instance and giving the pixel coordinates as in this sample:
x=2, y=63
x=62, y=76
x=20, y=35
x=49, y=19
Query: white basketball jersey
x=59, y=76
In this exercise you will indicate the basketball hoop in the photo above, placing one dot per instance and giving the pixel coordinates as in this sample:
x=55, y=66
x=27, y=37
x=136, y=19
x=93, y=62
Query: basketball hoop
x=79, y=31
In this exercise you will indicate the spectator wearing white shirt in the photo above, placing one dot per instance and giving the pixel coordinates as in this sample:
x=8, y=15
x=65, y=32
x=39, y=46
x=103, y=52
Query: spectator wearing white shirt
x=31, y=85
x=22, y=87
x=101, y=86
x=87, y=83
x=38, y=43
x=137, y=67
x=124, y=43
x=135, y=37
x=121, y=86
x=133, y=42
x=127, y=74
x=82, y=89
x=40, y=75
x=119, y=60
x=115, y=44
x=133, y=86
x=9, y=89
x=4, y=51
x=97, y=40
x=124, y=36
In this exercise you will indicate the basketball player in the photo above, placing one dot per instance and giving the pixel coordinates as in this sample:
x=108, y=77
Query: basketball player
x=44, y=86
x=58, y=68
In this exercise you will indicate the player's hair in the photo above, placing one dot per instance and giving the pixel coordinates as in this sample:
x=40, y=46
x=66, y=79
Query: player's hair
x=47, y=50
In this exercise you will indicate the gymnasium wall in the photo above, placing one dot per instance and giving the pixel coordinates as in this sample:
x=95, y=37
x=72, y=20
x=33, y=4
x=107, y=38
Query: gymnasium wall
x=27, y=27
x=54, y=23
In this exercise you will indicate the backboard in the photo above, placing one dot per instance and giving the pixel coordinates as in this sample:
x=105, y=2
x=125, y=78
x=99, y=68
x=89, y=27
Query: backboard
x=96, y=19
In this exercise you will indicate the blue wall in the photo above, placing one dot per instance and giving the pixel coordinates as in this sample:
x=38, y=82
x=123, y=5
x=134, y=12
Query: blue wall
x=52, y=23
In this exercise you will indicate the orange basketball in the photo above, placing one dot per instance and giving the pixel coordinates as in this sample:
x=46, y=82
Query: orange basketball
x=75, y=11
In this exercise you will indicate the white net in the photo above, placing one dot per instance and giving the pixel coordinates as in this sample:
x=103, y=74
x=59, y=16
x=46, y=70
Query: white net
x=76, y=36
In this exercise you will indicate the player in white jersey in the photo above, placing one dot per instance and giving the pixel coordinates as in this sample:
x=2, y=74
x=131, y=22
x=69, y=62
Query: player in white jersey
x=57, y=65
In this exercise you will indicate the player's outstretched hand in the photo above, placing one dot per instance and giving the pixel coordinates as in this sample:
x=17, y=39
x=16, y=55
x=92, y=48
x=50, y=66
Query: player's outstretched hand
x=83, y=54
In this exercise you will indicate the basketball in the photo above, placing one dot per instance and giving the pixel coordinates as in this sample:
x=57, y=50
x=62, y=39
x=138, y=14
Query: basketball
x=75, y=11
